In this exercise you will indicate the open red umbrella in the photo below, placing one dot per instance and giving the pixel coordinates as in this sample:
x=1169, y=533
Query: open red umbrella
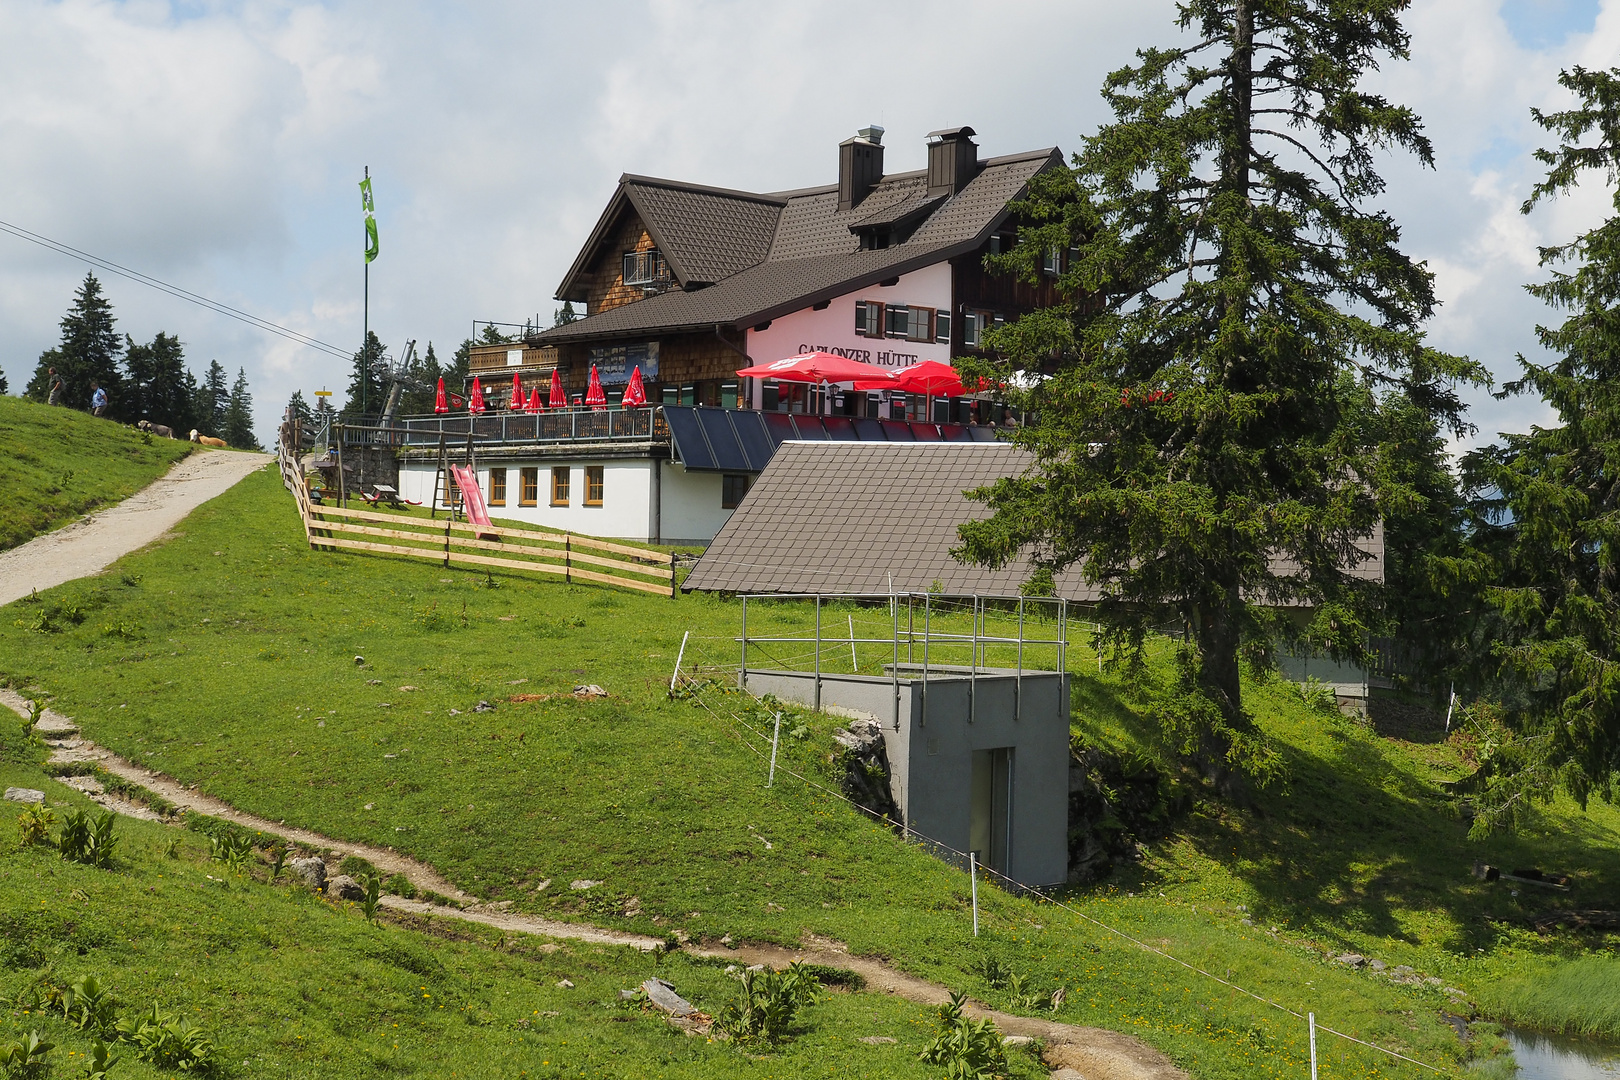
x=559, y=396
x=594, y=397
x=438, y=399
x=635, y=395
x=477, y=403
x=926, y=377
x=517, y=401
x=818, y=367
x=534, y=401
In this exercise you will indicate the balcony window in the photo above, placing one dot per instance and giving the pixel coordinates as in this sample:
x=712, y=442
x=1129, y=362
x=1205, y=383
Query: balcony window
x=559, y=485
x=920, y=324
x=497, y=487
x=645, y=268
x=593, y=485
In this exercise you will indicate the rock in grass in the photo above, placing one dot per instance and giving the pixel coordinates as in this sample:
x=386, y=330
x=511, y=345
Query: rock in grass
x=312, y=870
x=483, y=706
x=344, y=887
x=663, y=996
x=24, y=795
x=589, y=690
x=582, y=884
x=1351, y=959
x=877, y=1040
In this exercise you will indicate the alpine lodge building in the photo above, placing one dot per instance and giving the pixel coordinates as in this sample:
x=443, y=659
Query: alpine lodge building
x=690, y=284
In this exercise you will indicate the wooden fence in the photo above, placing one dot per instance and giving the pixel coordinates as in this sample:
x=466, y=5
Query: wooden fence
x=565, y=555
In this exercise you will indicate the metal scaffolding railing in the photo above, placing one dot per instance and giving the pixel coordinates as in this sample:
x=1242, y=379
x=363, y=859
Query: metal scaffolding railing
x=1013, y=611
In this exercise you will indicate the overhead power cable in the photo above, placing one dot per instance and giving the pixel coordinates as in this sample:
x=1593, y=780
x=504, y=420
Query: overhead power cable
x=176, y=291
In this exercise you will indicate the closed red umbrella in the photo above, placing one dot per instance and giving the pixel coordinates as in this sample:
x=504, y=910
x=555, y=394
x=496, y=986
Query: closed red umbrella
x=926, y=377
x=438, y=399
x=534, y=401
x=477, y=403
x=819, y=367
x=559, y=396
x=635, y=395
x=517, y=401
x=594, y=397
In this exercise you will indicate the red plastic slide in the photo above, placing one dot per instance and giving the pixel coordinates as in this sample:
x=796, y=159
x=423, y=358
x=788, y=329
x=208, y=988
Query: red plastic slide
x=472, y=496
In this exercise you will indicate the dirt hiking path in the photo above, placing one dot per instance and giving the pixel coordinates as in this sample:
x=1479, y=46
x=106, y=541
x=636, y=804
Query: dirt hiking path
x=1072, y=1052
x=89, y=545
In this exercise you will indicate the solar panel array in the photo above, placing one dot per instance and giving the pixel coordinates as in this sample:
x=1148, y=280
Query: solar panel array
x=743, y=440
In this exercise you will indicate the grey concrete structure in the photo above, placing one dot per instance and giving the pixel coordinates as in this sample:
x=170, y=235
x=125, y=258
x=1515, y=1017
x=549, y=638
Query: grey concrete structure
x=978, y=761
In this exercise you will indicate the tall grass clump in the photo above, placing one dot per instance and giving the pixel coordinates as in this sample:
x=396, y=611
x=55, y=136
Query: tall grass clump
x=1577, y=997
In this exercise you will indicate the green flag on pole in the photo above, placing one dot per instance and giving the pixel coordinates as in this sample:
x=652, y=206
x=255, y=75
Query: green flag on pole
x=371, y=220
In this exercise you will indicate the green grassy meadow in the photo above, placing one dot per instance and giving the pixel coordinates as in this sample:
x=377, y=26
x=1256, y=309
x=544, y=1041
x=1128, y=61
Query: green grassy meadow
x=227, y=658
x=62, y=463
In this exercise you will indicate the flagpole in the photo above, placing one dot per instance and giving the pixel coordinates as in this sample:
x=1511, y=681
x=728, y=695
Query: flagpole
x=365, y=327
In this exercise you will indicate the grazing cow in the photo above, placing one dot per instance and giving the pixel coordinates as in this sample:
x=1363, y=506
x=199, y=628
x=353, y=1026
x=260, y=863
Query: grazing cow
x=206, y=440
x=155, y=429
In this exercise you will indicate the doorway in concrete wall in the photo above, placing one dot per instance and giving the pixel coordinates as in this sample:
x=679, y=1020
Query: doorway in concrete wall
x=990, y=817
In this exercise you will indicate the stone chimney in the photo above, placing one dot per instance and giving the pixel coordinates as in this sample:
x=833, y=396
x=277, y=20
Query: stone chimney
x=953, y=160
x=860, y=166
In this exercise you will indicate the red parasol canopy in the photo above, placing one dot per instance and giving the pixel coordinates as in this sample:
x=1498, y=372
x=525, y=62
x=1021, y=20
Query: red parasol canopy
x=477, y=403
x=438, y=399
x=534, y=401
x=819, y=367
x=925, y=377
x=517, y=401
x=635, y=395
x=559, y=396
x=594, y=397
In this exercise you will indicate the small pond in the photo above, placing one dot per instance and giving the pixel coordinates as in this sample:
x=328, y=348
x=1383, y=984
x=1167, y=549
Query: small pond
x=1563, y=1057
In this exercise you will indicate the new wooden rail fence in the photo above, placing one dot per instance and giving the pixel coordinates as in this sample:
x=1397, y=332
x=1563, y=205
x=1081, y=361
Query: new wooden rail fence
x=565, y=555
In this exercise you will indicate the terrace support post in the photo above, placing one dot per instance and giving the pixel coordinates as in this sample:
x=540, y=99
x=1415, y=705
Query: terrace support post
x=928, y=599
x=894, y=668
x=1018, y=685
x=742, y=668
x=973, y=668
x=818, y=652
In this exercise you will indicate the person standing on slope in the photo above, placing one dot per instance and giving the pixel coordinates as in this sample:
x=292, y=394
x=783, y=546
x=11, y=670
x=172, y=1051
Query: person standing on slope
x=54, y=397
x=98, y=400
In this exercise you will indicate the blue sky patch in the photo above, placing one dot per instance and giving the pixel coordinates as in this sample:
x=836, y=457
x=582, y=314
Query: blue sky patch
x=1544, y=24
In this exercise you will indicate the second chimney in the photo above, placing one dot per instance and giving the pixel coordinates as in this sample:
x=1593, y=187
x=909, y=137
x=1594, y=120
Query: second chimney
x=860, y=166
x=953, y=160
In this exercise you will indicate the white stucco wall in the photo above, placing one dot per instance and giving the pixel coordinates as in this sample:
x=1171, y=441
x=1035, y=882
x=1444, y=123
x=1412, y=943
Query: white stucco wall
x=691, y=501
x=833, y=330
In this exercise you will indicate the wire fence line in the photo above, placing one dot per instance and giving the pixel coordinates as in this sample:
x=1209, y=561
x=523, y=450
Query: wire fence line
x=1018, y=888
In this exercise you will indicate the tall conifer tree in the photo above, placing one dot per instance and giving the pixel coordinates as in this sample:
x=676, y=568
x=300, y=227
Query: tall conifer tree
x=1549, y=502
x=366, y=373
x=89, y=352
x=155, y=386
x=1208, y=446
x=238, y=425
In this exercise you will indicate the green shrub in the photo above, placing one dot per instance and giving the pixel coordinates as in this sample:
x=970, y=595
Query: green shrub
x=770, y=1001
x=170, y=1042
x=34, y=825
x=88, y=1005
x=232, y=848
x=26, y=1058
x=969, y=1049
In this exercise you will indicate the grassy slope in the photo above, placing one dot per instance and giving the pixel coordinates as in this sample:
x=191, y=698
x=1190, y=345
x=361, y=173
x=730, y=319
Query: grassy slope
x=291, y=986
x=61, y=463
x=240, y=677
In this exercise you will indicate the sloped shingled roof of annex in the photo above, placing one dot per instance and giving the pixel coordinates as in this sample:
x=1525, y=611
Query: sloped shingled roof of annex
x=842, y=517
x=812, y=255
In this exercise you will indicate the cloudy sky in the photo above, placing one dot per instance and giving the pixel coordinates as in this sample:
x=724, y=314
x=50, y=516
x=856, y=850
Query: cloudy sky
x=219, y=145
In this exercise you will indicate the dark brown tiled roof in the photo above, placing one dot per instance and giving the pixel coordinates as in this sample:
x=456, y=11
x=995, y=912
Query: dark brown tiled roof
x=842, y=517
x=810, y=254
x=706, y=236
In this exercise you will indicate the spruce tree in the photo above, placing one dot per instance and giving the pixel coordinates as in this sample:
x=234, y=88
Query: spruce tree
x=1548, y=502
x=300, y=410
x=209, y=400
x=155, y=383
x=366, y=387
x=1208, y=448
x=238, y=420
x=89, y=352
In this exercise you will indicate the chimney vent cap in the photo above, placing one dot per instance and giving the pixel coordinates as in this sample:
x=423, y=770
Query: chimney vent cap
x=873, y=134
x=951, y=134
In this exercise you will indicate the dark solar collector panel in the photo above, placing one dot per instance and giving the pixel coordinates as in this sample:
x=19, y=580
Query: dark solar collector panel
x=809, y=427
x=954, y=433
x=687, y=433
x=869, y=430
x=840, y=427
x=897, y=430
x=924, y=432
x=728, y=452
x=757, y=445
x=779, y=427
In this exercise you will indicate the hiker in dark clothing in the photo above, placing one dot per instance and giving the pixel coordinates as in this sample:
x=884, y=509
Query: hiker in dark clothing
x=55, y=395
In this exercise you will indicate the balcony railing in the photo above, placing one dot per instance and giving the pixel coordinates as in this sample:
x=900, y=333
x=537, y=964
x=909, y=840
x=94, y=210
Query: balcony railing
x=561, y=426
